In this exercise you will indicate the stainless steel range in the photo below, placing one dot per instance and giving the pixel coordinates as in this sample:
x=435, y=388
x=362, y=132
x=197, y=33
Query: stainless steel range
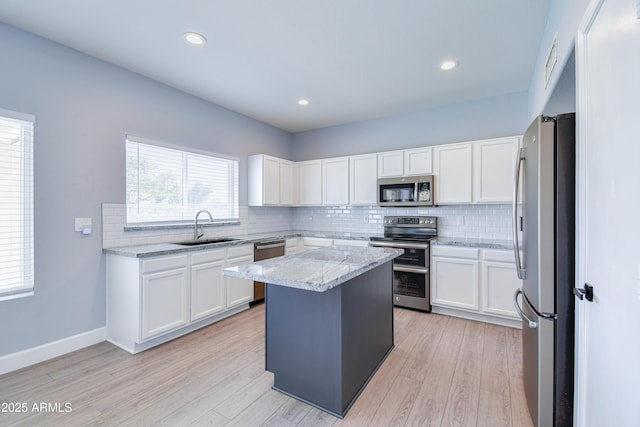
x=411, y=270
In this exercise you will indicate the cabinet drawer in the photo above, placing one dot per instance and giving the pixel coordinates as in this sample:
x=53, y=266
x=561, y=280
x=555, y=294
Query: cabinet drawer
x=207, y=256
x=351, y=242
x=291, y=243
x=317, y=241
x=498, y=255
x=163, y=263
x=455, y=252
x=237, y=251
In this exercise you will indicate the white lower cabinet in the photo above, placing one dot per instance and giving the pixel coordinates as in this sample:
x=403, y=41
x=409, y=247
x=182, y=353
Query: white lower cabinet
x=239, y=291
x=320, y=242
x=454, y=277
x=207, y=283
x=165, y=304
x=501, y=281
x=291, y=246
x=156, y=299
x=474, y=283
x=351, y=242
x=315, y=242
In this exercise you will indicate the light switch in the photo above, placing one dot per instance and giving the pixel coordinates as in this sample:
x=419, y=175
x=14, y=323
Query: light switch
x=83, y=225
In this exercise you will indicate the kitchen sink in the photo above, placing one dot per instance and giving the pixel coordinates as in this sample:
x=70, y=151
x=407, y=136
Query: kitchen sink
x=206, y=241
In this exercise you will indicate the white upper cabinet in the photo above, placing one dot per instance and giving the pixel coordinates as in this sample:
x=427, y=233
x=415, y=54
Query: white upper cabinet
x=286, y=183
x=310, y=182
x=453, y=177
x=390, y=164
x=270, y=181
x=363, y=173
x=335, y=188
x=415, y=161
x=464, y=173
x=418, y=161
x=494, y=165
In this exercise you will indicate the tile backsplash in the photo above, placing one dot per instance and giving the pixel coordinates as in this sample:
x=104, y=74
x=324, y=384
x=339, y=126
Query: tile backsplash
x=492, y=222
x=252, y=220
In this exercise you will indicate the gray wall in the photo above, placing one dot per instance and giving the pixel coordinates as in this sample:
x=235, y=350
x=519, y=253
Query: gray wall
x=563, y=96
x=488, y=118
x=83, y=108
x=562, y=23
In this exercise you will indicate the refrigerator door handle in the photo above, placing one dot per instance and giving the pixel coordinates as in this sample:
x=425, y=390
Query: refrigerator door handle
x=523, y=316
x=522, y=274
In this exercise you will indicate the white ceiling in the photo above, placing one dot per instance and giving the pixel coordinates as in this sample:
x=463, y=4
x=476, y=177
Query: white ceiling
x=353, y=59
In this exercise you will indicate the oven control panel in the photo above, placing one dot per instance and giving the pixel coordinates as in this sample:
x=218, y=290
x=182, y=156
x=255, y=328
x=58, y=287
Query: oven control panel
x=416, y=221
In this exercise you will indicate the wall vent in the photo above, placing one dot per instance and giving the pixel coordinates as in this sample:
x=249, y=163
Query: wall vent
x=552, y=58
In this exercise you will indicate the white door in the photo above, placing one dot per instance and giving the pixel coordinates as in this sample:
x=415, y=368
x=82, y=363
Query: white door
x=608, y=329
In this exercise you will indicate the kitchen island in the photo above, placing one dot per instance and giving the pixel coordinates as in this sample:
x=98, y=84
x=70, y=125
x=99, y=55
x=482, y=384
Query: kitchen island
x=329, y=321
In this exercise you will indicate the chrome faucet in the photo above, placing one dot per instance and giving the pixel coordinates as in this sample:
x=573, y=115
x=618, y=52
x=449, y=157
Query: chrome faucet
x=196, y=234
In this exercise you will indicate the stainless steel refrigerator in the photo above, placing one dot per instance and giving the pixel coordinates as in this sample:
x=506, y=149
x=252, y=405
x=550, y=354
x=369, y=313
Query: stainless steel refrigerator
x=545, y=182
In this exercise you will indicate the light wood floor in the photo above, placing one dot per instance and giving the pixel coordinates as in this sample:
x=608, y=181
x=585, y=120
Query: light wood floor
x=443, y=371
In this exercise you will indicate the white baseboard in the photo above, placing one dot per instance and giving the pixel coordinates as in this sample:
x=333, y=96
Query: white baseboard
x=496, y=320
x=31, y=356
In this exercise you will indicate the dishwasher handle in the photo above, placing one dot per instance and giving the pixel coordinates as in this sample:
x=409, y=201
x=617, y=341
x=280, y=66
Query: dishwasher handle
x=269, y=245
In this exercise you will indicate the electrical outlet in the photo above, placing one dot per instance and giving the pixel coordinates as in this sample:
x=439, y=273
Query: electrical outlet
x=83, y=224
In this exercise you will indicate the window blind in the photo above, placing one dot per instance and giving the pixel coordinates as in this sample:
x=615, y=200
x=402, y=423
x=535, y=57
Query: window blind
x=16, y=204
x=170, y=185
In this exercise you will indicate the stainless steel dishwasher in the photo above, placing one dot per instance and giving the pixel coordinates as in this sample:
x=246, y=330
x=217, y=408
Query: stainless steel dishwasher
x=261, y=251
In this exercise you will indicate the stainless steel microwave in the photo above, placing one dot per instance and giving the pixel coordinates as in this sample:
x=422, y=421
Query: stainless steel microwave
x=406, y=191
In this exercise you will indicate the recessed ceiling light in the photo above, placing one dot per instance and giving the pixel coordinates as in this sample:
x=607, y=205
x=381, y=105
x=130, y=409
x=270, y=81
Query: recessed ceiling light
x=303, y=102
x=195, y=38
x=448, y=65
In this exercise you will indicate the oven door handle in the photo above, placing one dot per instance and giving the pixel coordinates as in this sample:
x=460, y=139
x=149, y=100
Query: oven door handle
x=415, y=270
x=399, y=245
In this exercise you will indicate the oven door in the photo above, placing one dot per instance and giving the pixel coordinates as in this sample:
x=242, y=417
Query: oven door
x=411, y=287
x=415, y=254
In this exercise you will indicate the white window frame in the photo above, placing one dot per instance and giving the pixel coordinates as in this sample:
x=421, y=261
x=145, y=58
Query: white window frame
x=188, y=217
x=20, y=284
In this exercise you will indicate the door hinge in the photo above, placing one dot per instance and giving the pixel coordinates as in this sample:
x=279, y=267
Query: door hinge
x=586, y=292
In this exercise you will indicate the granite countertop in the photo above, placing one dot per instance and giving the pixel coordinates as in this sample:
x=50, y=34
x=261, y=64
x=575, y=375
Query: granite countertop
x=316, y=270
x=157, y=249
x=473, y=243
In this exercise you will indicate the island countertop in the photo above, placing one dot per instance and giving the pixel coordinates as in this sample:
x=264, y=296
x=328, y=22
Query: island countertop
x=315, y=270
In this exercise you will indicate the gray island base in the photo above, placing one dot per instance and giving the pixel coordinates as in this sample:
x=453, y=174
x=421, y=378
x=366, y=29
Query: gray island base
x=323, y=347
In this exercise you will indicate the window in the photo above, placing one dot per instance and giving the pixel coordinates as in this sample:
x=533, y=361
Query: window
x=166, y=185
x=16, y=204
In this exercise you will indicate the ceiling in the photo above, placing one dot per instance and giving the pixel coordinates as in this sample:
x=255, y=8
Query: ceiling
x=352, y=59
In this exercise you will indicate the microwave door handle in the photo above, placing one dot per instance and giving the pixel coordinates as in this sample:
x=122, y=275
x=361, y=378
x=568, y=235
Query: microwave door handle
x=522, y=274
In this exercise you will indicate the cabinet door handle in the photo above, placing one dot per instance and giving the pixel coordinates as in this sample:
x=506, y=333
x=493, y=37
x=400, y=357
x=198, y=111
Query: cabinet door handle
x=522, y=274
